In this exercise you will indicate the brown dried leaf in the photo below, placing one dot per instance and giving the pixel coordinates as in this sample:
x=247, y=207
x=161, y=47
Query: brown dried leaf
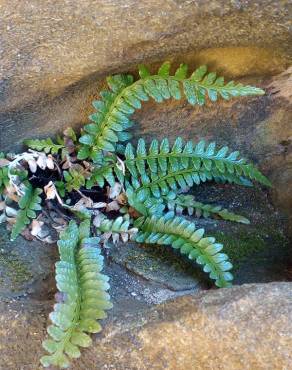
x=122, y=199
x=50, y=190
x=36, y=227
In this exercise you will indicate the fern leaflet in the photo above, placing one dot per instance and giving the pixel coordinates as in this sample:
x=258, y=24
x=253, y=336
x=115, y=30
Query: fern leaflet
x=113, y=111
x=160, y=169
x=188, y=203
x=182, y=235
x=84, y=297
x=29, y=203
x=46, y=145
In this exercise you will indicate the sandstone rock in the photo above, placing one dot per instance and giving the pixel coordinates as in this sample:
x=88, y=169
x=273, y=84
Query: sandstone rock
x=247, y=327
x=26, y=267
x=52, y=67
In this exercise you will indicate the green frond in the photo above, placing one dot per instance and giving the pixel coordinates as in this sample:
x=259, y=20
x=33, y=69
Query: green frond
x=108, y=124
x=160, y=168
x=183, y=236
x=29, y=203
x=120, y=227
x=112, y=117
x=44, y=145
x=188, y=203
x=73, y=180
x=84, y=298
x=4, y=178
x=104, y=174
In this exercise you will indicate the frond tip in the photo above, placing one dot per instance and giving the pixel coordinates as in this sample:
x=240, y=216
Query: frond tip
x=29, y=203
x=182, y=235
x=83, y=296
x=111, y=121
x=161, y=168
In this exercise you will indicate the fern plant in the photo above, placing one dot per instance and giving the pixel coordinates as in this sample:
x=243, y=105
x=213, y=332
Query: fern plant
x=145, y=184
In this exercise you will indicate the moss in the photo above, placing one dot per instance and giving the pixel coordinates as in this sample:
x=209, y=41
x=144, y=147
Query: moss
x=244, y=244
x=14, y=270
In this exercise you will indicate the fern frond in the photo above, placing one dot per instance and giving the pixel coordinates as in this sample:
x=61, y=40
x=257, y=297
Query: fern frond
x=183, y=236
x=73, y=180
x=83, y=289
x=4, y=178
x=112, y=117
x=29, y=203
x=120, y=227
x=45, y=145
x=108, y=124
x=104, y=174
x=161, y=168
x=188, y=203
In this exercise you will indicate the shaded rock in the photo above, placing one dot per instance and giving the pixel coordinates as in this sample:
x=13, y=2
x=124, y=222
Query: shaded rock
x=247, y=327
x=158, y=264
x=52, y=67
x=43, y=54
x=260, y=252
x=25, y=266
x=151, y=274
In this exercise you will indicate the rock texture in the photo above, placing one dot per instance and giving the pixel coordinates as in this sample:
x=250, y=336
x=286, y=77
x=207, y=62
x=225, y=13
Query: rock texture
x=55, y=55
x=247, y=327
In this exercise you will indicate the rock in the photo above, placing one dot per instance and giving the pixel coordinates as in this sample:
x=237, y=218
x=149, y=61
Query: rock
x=52, y=67
x=260, y=251
x=151, y=274
x=26, y=267
x=246, y=327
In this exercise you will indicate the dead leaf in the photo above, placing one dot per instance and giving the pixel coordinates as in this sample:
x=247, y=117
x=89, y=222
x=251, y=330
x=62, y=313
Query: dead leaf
x=2, y=205
x=32, y=164
x=97, y=219
x=113, y=206
x=36, y=227
x=114, y=191
x=50, y=162
x=122, y=199
x=11, y=212
x=125, y=237
x=115, y=237
x=2, y=217
x=42, y=161
x=50, y=190
x=99, y=205
x=82, y=203
x=4, y=162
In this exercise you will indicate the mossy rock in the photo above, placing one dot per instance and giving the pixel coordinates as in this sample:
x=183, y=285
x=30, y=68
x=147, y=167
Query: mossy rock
x=260, y=251
x=24, y=265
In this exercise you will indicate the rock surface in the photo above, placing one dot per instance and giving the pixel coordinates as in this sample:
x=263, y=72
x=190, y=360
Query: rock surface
x=244, y=327
x=54, y=58
x=53, y=64
x=247, y=327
